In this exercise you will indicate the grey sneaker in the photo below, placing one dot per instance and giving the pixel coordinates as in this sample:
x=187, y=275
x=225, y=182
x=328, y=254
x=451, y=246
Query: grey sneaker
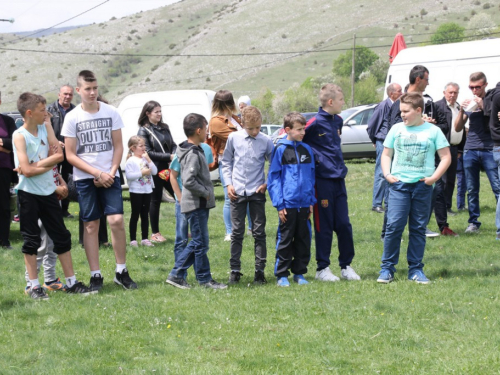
x=37, y=293
x=212, y=284
x=472, y=228
x=429, y=233
x=178, y=282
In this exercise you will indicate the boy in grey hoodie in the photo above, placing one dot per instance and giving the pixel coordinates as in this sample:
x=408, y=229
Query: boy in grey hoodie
x=197, y=199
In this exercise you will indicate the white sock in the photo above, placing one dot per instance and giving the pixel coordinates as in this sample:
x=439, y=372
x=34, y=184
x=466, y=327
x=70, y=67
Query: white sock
x=70, y=281
x=120, y=267
x=93, y=273
x=34, y=283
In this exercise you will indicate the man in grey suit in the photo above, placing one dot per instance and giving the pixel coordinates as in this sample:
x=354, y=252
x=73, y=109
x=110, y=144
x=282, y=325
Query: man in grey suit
x=377, y=130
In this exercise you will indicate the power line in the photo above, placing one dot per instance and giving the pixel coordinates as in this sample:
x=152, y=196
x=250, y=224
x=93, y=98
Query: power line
x=51, y=27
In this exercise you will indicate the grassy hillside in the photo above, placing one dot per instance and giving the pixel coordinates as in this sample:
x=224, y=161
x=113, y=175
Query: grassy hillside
x=218, y=27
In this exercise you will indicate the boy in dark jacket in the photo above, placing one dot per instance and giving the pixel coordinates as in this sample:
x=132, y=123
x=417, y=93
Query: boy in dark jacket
x=331, y=214
x=197, y=200
x=291, y=187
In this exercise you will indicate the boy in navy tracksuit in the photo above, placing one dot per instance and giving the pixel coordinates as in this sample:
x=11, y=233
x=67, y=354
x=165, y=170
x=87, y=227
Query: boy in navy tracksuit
x=331, y=212
x=290, y=184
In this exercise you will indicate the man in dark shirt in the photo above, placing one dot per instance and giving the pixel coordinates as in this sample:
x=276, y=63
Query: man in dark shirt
x=58, y=110
x=478, y=150
x=495, y=135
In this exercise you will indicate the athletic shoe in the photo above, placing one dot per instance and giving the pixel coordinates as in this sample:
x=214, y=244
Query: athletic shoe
x=462, y=209
x=80, y=288
x=234, y=277
x=124, y=280
x=448, y=232
x=385, y=277
x=178, y=282
x=249, y=232
x=227, y=238
x=419, y=277
x=27, y=290
x=134, y=243
x=259, y=278
x=212, y=284
x=326, y=275
x=147, y=243
x=299, y=279
x=450, y=212
x=55, y=286
x=158, y=238
x=96, y=282
x=37, y=293
x=349, y=274
x=472, y=228
x=67, y=215
x=15, y=219
x=283, y=281
x=429, y=233
x=379, y=210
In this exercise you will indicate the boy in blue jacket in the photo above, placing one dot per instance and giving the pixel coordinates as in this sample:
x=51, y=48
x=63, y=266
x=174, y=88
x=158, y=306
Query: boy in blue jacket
x=291, y=187
x=331, y=214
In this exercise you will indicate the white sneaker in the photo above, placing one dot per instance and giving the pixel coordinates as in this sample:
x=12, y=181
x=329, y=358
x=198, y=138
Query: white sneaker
x=349, y=274
x=227, y=238
x=326, y=275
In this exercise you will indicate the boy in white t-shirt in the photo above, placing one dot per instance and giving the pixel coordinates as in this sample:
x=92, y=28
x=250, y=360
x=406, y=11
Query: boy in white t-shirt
x=93, y=142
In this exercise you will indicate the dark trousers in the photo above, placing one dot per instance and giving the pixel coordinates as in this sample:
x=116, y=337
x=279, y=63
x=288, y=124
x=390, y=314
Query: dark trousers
x=140, y=207
x=331, y=214
x=450, y=177
x=293, y=243
x=256, y=203
x=46, y=208
x=154, y=209
x=5, y=180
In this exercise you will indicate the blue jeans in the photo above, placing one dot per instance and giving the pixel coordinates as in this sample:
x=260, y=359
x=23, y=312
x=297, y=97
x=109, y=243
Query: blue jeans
x=473, y=161
x=195, y=253
x=379, y=182
x=496, y=157
x=181, y=231
x=226, y=210
x=461, y=183
x=409, y=203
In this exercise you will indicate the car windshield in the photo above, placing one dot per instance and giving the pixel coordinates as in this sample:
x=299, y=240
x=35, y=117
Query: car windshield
x=346, y=113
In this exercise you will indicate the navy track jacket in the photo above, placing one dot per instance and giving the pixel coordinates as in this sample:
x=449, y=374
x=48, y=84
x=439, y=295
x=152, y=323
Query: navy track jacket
x=290, y=180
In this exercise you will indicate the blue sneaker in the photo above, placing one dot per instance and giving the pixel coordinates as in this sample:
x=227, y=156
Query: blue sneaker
x=419, y=277
x=299, y=279
x=385, y=277
x=283, y=281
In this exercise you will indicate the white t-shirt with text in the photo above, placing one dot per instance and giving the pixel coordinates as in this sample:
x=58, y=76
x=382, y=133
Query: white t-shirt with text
x=92, y=131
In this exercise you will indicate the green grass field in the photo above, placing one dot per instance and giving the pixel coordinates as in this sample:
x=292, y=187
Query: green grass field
x=449, y=326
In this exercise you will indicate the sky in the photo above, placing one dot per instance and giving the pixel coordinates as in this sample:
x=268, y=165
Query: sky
x=40, y=14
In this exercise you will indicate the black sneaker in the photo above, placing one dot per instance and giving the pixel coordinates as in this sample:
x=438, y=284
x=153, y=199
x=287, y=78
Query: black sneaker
x=259, y=278
x=178, y=282
x=67, y=215
x=80, y=288
x=37, y=293
x=96, y=282
x=212, y=284
x=124, y=280
x=234, y=277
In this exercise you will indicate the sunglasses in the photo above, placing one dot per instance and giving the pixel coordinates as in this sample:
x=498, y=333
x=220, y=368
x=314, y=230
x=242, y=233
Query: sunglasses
x=476, y=87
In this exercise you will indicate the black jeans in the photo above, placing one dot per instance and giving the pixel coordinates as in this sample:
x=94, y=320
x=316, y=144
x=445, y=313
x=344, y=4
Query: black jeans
x=46, y=208
x=140, y=207
x=256, y=204
x=5, y=180
x=154, y=209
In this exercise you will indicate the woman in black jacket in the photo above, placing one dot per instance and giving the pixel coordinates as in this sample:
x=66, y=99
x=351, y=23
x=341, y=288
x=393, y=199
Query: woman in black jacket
x=161, y=149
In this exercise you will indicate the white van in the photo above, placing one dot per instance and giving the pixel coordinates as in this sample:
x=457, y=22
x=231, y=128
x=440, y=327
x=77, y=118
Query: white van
x=446, y=63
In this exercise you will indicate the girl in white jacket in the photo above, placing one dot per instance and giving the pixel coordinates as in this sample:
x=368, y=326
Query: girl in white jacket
x=139, y=171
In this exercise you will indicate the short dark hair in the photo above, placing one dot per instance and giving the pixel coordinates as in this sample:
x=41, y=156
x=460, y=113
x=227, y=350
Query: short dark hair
x=28, y=100
x=85, y=75
x=293, y=117
x=478, y=76
x=415, y=99
x=417, y=71
x=192, y=122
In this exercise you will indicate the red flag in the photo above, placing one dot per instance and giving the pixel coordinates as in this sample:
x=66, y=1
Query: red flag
x=397, y=46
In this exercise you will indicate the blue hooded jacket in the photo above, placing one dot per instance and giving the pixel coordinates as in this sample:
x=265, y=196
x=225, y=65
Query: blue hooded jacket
x=291, y=180
x=322, y=134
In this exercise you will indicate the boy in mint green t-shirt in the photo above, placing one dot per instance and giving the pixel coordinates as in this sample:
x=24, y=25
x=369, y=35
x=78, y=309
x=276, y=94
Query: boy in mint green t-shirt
x=408, y=164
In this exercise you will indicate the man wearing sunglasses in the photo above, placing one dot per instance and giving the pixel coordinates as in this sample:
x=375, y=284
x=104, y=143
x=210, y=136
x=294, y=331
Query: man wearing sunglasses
x=478, y=149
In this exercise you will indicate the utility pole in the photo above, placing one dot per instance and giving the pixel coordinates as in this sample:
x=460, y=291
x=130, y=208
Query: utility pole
x=352, y=72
